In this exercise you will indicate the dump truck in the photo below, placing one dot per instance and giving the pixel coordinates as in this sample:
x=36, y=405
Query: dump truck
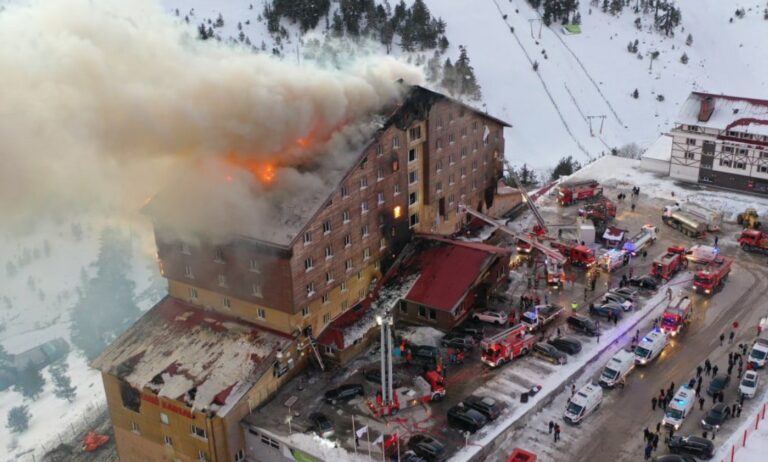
x=641, y=241
x=540, y=316
x=753, y=240
x=577, y=255
x=669, y=263
x=506, y=345
x=676, y=315
x=685, y=222
x=711, y=218
x=613, y=259
x=572, y=191
x=710, y=279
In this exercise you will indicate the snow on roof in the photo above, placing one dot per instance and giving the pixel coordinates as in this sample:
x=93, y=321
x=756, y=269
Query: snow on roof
x=751, y=115
x=176, y=347
x=661, y=149
x=448, y=270
x=28, y=340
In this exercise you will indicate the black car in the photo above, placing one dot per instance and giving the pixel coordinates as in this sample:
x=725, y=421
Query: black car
x=477, y=332
x=465, y=418
x=374, y=375
x=489, y=407
x=566, y=344
x=344, y=393
x=673, y=458
x=425, y=353
x=716, y=416
x=645, y=282
x=719, y=383
x=606, y=310
x=692, y=445
x=582, y=324
x=427, y=447
x=549, y=353
x=321, y=425
x=458, y=341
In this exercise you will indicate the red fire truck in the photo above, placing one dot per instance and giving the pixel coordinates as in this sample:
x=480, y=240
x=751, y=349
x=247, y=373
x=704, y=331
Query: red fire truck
x=431, y=387
x=506, y=345
x=573, y=191
x=577, y=255
x=676, y=315
x=753, y=240
x=603, y=209
x=669, y=263
x=711, y=278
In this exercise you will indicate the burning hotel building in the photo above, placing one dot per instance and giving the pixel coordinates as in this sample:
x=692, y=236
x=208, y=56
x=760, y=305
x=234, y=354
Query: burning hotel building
x=242, y=313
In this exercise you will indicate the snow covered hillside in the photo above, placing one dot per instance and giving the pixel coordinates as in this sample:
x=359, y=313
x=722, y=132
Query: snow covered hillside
x=590, y=74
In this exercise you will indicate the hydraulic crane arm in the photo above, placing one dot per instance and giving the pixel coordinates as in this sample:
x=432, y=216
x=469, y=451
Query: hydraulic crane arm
x=527, y=199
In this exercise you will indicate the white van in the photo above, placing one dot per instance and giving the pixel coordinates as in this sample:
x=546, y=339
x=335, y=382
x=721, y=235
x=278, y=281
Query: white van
x=759, y=352
x=679, y=408
x=617, y=369
x=583, y=403
x=650, y=346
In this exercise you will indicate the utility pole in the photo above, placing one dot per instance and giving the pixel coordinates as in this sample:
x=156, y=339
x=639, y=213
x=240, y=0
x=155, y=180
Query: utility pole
x=531, y=21
x=602, y=121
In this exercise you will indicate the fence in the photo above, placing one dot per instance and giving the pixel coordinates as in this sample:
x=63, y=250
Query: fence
x=749, y=431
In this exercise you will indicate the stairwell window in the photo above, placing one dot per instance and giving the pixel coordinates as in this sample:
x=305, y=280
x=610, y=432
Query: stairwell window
x=413, y=198
x=256, y=289
x=310, y=289
x=199, y=432
x=411, y=155
x=305, y=311
x=222, y=280
x=308, y=237
x=219, y=258
x=413, y=177
x=326, y=318
x=188, y=272
x=395, y=142
x=344, y=192
x=690, y=141
x=240, y=455
x=379, y=150
x=254, y=266
x=415, y=133
x=326, y=227
x=363, y=182
x=325, y=298
x=168, y=441
x=308, y=264
x=226, y=302
x=135, y=428
x=261, y=313
x=192, y=293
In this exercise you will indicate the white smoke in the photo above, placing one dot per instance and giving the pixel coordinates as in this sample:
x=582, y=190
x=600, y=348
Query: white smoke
x=101, y=101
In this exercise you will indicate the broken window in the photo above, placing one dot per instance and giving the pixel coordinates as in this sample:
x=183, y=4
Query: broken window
x=130, y=396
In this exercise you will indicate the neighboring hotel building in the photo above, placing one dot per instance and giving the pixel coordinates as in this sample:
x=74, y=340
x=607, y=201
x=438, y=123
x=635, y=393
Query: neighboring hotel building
x=722, y=141
x=241, y=317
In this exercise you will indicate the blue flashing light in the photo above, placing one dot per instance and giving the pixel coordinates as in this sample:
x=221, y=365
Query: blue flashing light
x=681, y=401
x=646, y=339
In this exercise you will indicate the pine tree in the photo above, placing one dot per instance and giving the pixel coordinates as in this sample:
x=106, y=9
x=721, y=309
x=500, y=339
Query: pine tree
x=635, y=94
x=30, y=382
x=219, y=21
x=684, y=59
x=18, y=419
x=465, y=76
x=689, y=40
x=566, y=166
x=62, y=383
x=337, y=26
x=202, y=33
x=449, y=77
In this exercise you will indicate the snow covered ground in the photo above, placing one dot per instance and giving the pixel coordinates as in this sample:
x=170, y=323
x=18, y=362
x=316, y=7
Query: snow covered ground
x=757, y=440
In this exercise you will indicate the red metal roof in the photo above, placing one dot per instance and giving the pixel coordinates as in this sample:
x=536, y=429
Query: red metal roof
x=448, y=272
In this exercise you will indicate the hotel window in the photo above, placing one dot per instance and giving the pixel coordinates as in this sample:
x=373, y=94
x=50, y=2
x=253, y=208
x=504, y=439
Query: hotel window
x=308, y=237
x=364, y=231
x=474, y=126
x=382, y=243
x=364, y=162
x=474, y=165
x=439, y=143
x=308, y=264
x=185, y=249
x=326, y=227
x=188, y=272
x=344, y=192
x=451, y=138
x=413, y=177
x=345, y=216
x=439, y=186
x=219, y=255
x=193, y=293
x=380, y=198
x=415, y=133
x=226, y=302
x=413, y=198
x=325, y=298
x=690, y=155
x=168, y=441
x=725, y=163
x=364, y=207
x=450, y=198
x=344, y=305
x=432, y=314
x=379, y=150
x=363, y=182
x=395, y=142
x=451, y=179
x=164, y=418
x=463, y=152
x=253, y=266
x=422, y=312
x=740, y=165
x=411, y=155
x=328, y=252
x=347, y=240
x=395, y=166
x=199, y=432
x=451, y=159
x=438, y=165
x=359, y=275
x=439, y=122
x=305, y=311
x=329, y=277
x=474, y=146
x=326, y=318
x=361, y=294
x=379, y=174
x=464, y=132
x=348, y=264
x=450, y=117
x=463, y=172
x=202, y=455
x=135, y=427
x=366, y=253
x=743, y=152
x=310, y=289
x=414, y=220
x=256, y=289
x=240, y=455
x=261, y=313
x=474, y=184
x=344, y=286
x=763, y=169
x=397, y=188
x=690, y=141
x=222, y=280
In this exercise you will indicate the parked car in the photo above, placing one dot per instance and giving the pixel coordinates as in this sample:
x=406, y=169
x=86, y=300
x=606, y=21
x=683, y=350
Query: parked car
x=716, y=416
x=606, y=310
x=691, y=445
x=459, y=341
x=582, y=324
x=566, y=344
x=489, y=407
x=627, y=292
x=492, y=316
x=321, y=425
x=674, y=458
x=718, y=383
x=748, y=385
x=427, y=447
x=549, y=353
x=465, y=418
x=425, y=353
x=411, y=456
x=374, y=375
x=476, y=331
x=645, y=282
x=344, y=393
x=625, y=303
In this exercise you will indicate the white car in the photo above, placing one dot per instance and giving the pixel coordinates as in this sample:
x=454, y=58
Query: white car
x=492, y=316
x=748, y=385
x=618, y=299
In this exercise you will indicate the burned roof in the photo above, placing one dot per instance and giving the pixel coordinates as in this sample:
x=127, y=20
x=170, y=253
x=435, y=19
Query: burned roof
x=182, y=352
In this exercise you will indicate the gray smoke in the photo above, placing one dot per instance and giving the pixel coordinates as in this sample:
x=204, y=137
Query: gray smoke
x=105, y=102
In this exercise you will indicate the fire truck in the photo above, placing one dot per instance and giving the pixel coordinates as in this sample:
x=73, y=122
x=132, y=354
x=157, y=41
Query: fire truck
x=555, y=273
x=676, y=315
x=573, y=191
x=753, y=240
x=506, y=345
x=577, y=255
x=642, y=240
x=602, y=209
x=523, y=247
x=685, y=222
x=711, y=278
x=669, y=263
x=425, y=389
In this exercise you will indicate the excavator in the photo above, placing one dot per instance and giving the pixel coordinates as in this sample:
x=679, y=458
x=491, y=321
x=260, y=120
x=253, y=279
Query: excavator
x=749, y=219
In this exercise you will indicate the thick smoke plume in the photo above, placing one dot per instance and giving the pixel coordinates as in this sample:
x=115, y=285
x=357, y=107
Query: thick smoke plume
x=102, y=102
